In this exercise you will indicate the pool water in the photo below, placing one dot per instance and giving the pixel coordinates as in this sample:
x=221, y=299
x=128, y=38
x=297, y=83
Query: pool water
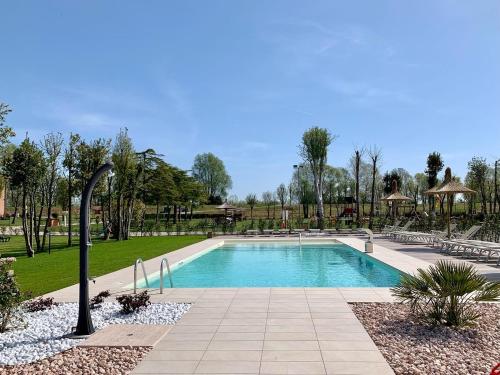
x=282, y=265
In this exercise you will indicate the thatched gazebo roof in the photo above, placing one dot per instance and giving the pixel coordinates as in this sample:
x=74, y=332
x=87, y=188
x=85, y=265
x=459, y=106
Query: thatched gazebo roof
x=450, y=186
x=227, y=206
x=395, y=195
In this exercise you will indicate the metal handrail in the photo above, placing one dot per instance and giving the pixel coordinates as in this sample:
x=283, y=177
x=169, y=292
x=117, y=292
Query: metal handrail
x=139, y=260
x=163, y=262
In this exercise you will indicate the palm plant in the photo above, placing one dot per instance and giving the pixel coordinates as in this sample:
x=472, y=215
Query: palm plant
x=447, y=293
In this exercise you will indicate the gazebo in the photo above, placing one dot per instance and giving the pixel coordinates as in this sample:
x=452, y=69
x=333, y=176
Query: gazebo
x=227, y=207
x=395, y=197
x=449, y=188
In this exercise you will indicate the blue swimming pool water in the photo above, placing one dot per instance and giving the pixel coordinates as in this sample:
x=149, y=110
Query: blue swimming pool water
x=283, y=265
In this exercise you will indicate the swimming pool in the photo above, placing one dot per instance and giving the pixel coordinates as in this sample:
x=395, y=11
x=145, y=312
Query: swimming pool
x=281, y=265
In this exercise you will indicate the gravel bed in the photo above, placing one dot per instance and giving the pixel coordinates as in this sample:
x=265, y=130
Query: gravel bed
x=104, y=360
x=414, y=348
x=44, y=334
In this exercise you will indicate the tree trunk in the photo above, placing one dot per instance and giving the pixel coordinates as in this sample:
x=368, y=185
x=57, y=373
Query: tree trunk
x=26, y=226
x=157, y=212
x=70, y=208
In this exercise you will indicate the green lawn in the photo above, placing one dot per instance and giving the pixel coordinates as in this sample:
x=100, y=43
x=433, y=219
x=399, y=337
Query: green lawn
x=45, y=273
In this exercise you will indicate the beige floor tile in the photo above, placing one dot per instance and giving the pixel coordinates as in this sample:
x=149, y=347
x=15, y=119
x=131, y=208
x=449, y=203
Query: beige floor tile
x=195, y=321
x=302, y=368
x=283, y=322
x=246, y=315
x=239, y=336
x=236, y=345
x=289, y=315
x=291, y=328
x=291, y=308
x=243, y=322
x=175, y=355
x=291, y=355
x=360, y=368
x=182, y=345
x=291, y=345
x=352, y=356
x=227, y=367
x=166, y=367
x=343, y=336
x=332, y=315
x=251, y=328
x=193, y=329
x=206, y=310
x=189, y=336
x=339, y=328
x=347, y=345
x=288, y=336
x=232, y=355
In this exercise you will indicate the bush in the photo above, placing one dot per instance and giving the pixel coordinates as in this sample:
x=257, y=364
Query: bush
x=447, y=293
x=10, y=295
x=96, y=301
x=39, y=304
x=133, y=302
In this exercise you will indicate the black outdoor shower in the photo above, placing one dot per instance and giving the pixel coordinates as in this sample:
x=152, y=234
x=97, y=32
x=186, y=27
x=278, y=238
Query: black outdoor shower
x=84, y=325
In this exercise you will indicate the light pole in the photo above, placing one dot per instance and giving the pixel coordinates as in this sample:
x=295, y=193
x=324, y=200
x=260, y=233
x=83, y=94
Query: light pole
x=84, y=326
x=496, y=199
x=298, y=167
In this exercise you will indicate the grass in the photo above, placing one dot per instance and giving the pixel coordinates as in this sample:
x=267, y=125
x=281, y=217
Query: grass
x=48, y=272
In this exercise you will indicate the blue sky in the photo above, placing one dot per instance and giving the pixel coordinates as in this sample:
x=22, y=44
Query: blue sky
x=244, y=79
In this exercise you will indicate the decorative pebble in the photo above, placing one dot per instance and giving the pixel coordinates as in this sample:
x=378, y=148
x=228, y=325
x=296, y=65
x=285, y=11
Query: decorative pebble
x=43, y=333
x=79, y=360
x=414, y=348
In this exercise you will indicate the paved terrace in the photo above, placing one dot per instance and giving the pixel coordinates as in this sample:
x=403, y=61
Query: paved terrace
x=432, y=255
x=266, y=330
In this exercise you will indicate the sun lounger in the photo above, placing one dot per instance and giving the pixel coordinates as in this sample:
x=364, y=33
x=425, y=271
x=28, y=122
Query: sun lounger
x=456, y=244
x=389, y=228
x=430, y=238
x=394, y=234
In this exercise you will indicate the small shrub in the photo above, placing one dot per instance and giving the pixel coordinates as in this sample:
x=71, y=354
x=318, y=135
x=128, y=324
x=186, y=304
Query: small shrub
x=447, y=293
x=133, y=302
x=39, y=304
x=96, y=301
x=10, y=295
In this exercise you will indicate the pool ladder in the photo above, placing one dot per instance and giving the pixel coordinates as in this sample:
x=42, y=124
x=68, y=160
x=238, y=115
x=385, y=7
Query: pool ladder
x=164, y=262
x=139, y=260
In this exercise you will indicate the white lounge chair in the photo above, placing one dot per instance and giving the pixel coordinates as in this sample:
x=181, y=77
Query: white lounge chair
x=389, y=228
x=457, y=243
x=395, y=233
x=429, y=238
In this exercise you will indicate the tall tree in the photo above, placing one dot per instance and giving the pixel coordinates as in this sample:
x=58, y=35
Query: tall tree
x=267, y=199
x=356, y=165
x=52, y=148
x=434, y=166
x=210, y=171
x=251, y=200
x=314, y=151
x=126, y=183
x=69, y=162
x=478, y=175
x=375, y=154
x=6, y=131
x=281, y=193
x=25, y=171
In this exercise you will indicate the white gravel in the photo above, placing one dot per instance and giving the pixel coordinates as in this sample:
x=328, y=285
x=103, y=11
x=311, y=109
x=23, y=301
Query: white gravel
x=43, y=332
